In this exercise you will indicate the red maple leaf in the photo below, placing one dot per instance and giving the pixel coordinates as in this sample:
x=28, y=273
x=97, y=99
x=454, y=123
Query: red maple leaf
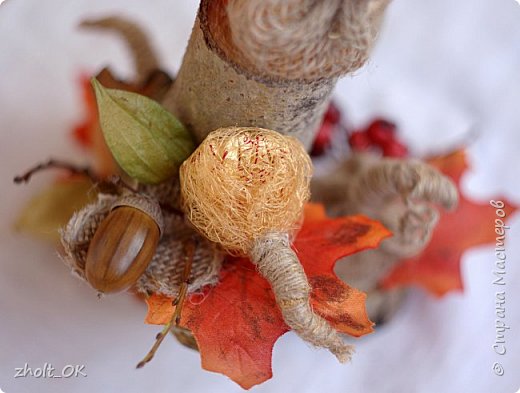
x=238, y=321
x=437, y=268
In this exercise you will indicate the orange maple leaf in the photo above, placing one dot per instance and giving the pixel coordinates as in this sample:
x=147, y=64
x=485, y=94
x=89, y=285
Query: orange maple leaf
x=238, y=321
x=437, y=268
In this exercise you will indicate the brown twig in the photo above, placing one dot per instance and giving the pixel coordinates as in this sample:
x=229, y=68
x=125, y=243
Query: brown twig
x=110, y=183
x=178, y=302
x=56, y=164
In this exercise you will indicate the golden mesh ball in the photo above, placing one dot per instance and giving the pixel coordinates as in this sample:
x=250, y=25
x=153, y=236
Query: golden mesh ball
x=244, y=182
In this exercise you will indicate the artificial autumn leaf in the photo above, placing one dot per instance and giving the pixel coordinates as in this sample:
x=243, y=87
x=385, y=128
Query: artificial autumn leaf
x=52, y=208
x=437, y=268
x=238, y=321
x=147, y=141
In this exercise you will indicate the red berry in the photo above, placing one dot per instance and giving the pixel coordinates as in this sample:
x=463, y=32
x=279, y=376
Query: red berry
x=395, y=149
x=381, y=131
x=359, y=141
x=322, y=141
x=333, y=115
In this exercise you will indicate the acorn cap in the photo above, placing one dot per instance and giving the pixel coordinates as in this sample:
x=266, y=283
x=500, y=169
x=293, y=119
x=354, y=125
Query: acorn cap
x=145, y=204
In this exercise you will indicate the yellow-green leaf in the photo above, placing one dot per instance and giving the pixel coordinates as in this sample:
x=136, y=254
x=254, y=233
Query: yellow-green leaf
x=147, y=141
x=52, y=208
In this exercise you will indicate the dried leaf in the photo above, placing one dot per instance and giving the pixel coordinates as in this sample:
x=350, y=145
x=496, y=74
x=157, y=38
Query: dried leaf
x=52, y=208
x=437, y=268
x=238, y=321
x=147, y=141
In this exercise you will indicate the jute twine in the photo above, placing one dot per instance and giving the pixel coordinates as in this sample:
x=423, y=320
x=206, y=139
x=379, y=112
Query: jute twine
x=278, y=263
x=305, y=39
x=164, y=273
x=398, y=193
x=245, y=189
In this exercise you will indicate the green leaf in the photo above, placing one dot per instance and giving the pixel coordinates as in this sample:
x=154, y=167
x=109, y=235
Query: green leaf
x=52, y=208
x=147, y=141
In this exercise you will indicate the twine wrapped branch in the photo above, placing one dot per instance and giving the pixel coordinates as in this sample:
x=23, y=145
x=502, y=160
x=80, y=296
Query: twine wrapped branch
x=270, y=64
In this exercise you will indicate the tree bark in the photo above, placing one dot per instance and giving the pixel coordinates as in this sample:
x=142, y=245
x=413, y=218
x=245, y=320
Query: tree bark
x=219, y=86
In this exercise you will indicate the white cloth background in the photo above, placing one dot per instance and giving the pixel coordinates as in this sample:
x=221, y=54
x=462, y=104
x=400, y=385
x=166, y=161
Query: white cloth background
x=443, y=70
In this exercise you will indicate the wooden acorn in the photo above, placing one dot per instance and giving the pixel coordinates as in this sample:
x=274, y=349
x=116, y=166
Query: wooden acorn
x=124, y=244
